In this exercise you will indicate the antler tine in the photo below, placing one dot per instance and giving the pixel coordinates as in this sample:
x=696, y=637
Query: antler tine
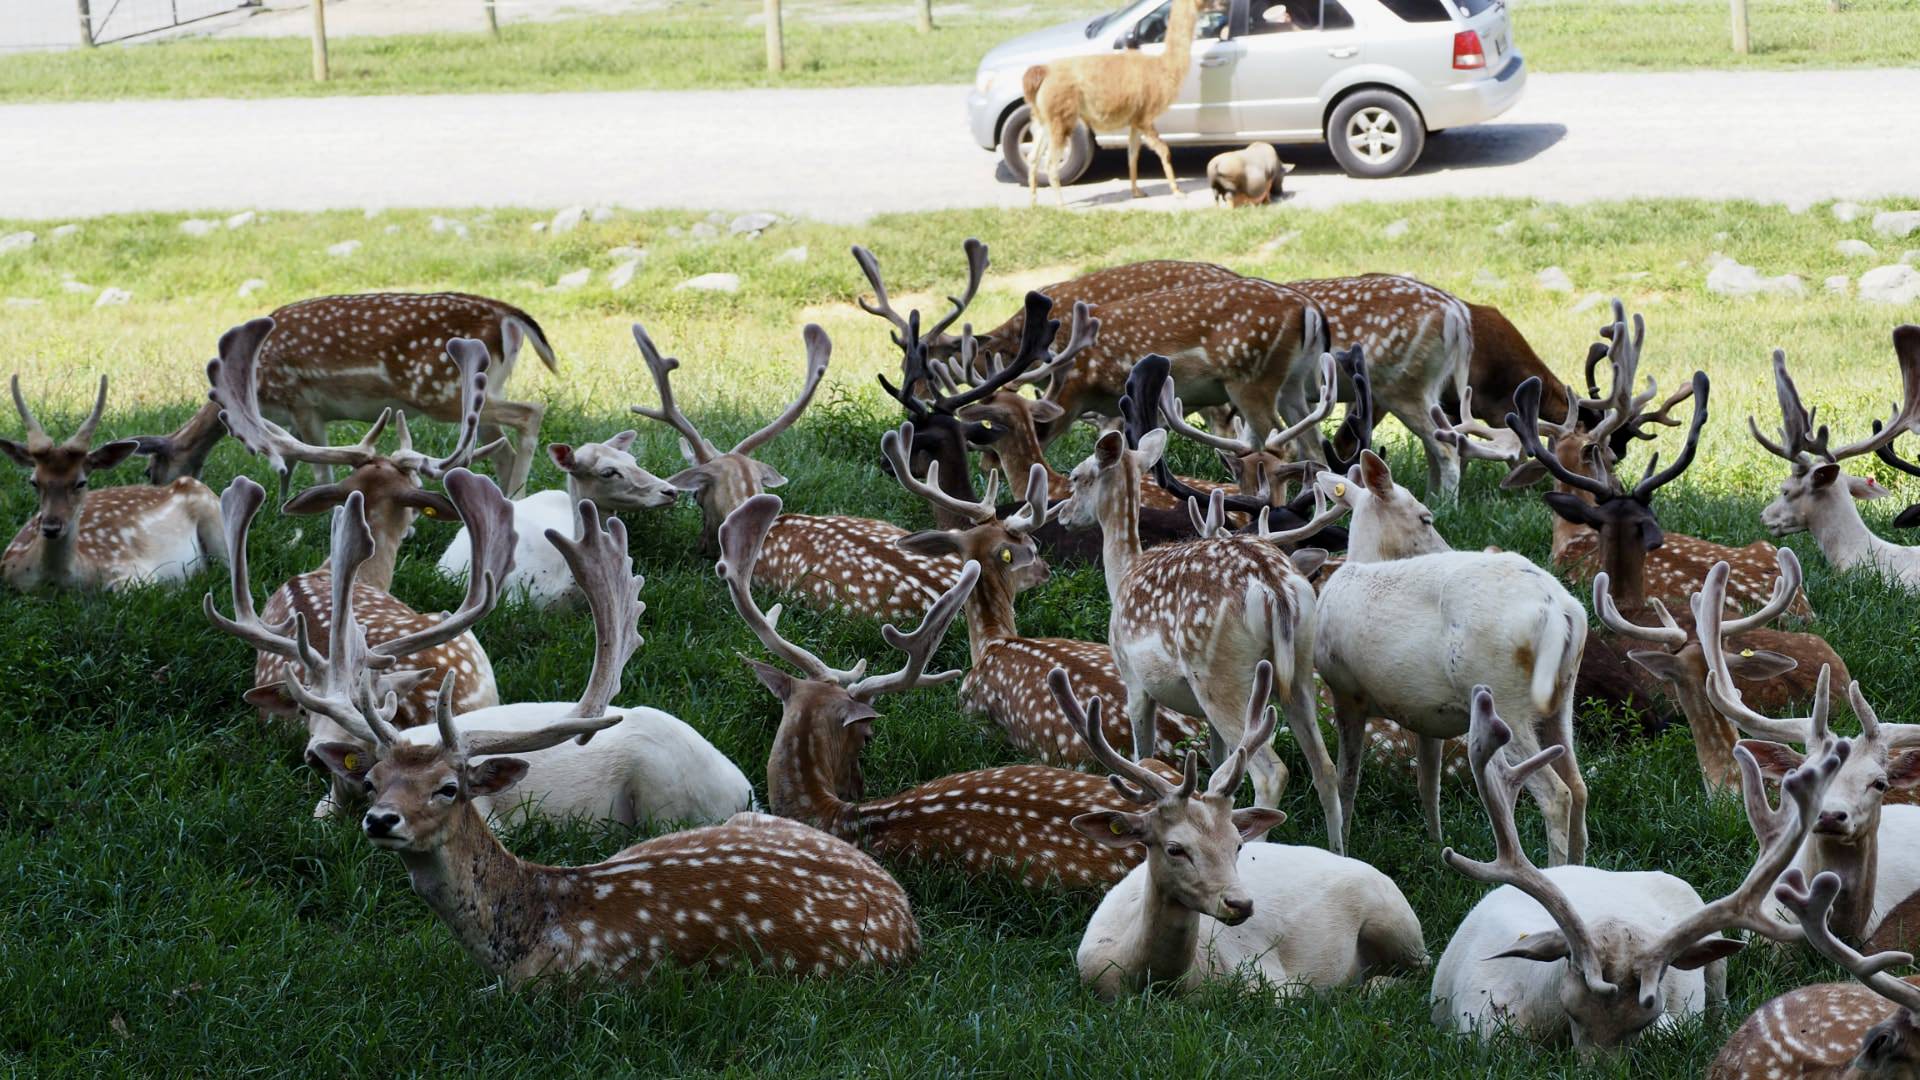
x=1474, y=440
x=450, y=736
x=1668, y=633
x=1813, y=907
x=471, y=359
x=1651, y=481
x=662, y=368
x=1357, y=424
x=976, y=273
x=1082, y=333
x=1498, y=780
x=1322, y=408
x=1795, y=422
x=1173, y=414
x=1779, y=832
x=1709, y=607
x=1525, y=423
x=741, y=535
x=1323, y=516
x=1785, y=587
x=600, y=563
x=36, y=435
x=1906, y=342
x=238, y=505
x=1037, y=331
x=82, y=436
x=233, y=377
x=919, y=644
x=1206, y=523
x=488, y=517
x=1134, y=782
x=897, y=447
x=881, y=306
x=819, y=351
x=1034, y=513
x=1262, y=717
x=1663, y=416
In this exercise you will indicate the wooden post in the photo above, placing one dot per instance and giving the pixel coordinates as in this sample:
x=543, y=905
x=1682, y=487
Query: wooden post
x=86, y=23
x=319, y=41
x=776, y=47
x=493, y=20
x=926, y=16
x=1740, y=27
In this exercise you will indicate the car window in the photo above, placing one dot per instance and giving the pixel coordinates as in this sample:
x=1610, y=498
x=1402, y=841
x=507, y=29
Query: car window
x=1282, y=16
x=1418, y=11
x=1334, y=17
x=1152, y=27
x=1470, y=8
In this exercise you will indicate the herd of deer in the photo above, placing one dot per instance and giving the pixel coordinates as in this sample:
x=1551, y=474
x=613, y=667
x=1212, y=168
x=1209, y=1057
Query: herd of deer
x=1224, y=606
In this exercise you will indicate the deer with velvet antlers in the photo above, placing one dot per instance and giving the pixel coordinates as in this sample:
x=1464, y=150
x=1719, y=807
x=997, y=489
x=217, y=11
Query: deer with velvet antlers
x=117, y=536
x=1596, y=957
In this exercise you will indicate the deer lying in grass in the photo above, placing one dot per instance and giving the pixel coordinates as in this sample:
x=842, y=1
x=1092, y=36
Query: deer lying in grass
x=1213, y=902
x=1599, y=956
x=603, y=473
x=106, y=539
x=1006, y=680
x=1818, y=496
x=1832, y=1030
x=650, y=767
x=1010, y=821
x=834, y=562
x=1190, y=620
x=757, y=891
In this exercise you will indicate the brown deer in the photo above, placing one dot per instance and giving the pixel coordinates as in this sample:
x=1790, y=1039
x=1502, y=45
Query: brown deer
x=1123, y=282
x=834, y=562
x=1008, y=673
x=1010, y=821
x=1108, y=91
x=1502, y=360
x=106, y=539
x=1832, y=1031
x=184, y=452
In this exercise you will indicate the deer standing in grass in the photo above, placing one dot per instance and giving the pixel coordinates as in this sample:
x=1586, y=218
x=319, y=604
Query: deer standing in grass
x=106, y=539
x=1011, y=821
x=1832, y=1031
x=1818, y=495
x=1213, y=902
x=1595, y=957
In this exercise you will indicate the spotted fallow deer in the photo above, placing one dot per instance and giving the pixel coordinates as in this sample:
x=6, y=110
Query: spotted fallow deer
x=1818, y=495
x=1831, y=1031
x=1213, y=902
x=105, y=539
x=1599, y=956
x=1006, y=680
x=1189, y=621
x=1011, y=821
x=840, y=562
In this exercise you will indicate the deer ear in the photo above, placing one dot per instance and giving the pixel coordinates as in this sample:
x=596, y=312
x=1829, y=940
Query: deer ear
x=1152, y=445
x=272, y=698
x=562, y=455
x=1904, y=771
x=1336, y=487
x=858, y=712
x=1866, y=487
x=1544, y=947
x=1112, y=828
x=111, y=454
x=431, y=503
x=1775, y=759
x=769, y=476
x=1308, y=561
x=494, y=775
x=932, y=542
x=1375, y=474
x=693, y=481
x=1571, y=507
x=1255, y=822
x=1824, y=474
x=1702, y=953
x=1524, y=475
x=622, y=441
x=1878, y=1049
x=344, y=760
x=1761, y=664
x=1044, y=411
x=317, y=499
x=1660, y=665
x=17, y=452
x=1108, y=448
x=775, y=680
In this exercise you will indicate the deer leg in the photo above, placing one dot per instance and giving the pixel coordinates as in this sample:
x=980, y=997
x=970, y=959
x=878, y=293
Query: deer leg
x=1427, y=776
x=1716, y=974
x=1567, y=769
x=524, y=418
x=1140, y=708
x=1350, y=719
x=311, y=429
x=1056, y=157
x=1225, y=703
x=1133, y=162
x=1552, y=792
x=1039, y=155
x=1303, y=717
x=1159, y=145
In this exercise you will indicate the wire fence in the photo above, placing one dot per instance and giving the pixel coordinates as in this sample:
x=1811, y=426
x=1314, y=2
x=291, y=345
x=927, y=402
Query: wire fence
x=66, y=24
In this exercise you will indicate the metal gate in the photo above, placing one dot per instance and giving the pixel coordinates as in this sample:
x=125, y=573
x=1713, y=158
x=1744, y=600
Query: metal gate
x=117, y=20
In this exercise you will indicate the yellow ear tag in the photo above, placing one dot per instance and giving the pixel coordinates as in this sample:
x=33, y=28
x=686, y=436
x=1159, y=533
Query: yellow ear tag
x=986, y=425
x=1339, y=490
x=1117, y=827
x=1006, y=554
x=1746, y=652
x=351, y=761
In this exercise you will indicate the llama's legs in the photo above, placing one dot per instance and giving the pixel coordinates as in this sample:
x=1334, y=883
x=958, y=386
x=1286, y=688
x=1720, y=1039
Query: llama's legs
x=1159, y=145
x=1133, y=162
x=1038, y=155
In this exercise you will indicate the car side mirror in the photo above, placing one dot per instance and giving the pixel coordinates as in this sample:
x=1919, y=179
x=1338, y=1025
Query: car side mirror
x=1128, y=40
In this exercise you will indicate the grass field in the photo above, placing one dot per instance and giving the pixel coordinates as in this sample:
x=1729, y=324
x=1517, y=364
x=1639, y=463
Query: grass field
x=709, y=46
x=172, y=908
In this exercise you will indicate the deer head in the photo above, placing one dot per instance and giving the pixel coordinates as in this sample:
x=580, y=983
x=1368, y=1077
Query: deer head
x=721, y=482
x=607, y=474
x=1388, y=521
x=1003, y=548
x=58, y=471
x=184, y=452
x=1253, y=463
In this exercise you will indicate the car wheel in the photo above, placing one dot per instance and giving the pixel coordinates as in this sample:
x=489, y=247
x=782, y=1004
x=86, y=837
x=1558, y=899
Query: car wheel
x=1016, y=148
x=1375, y=134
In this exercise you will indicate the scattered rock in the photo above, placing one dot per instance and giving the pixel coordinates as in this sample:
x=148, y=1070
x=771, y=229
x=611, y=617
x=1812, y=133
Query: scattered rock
x=1554, y=279
x=1634, y=275
x=391, y=230
x=1895, y=284
x=676, y=231
x=704, y=230
x=792, y=255
x=574, y=279
x=620, y=276
x=627, y=251
x=439, y=224
x=752, y=225
x=1799, y=204
x=1506, y=227
x=242, y=219
x=538, y=226
x=111, y=296
x=1854, y=249
x=25, y=301
x=1897, y=223
x=1731, y=278
x=61, y=232
x=1720, y=237
x=1280, y=241
x=715, y=217
x=1845, y=212
x=600, y=214
x=250, y=286
x=725, y=283
x=78, y=287
x=345, y=248
x=1589, y=302
x=374, y=212
x=1484, y=278
x=1396, y=230
x=567, y=220
x=1839, y=283
x=198, y=226
x=13, y=242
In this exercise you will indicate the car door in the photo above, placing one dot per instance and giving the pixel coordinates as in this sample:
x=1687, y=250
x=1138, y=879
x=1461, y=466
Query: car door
x=1204, y=103
x=1295, y=49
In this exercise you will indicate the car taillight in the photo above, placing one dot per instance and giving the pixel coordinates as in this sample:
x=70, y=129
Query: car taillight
x=1468, y=55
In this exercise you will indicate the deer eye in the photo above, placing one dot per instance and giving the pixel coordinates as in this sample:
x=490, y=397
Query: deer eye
x=1427, y=520
x=1879, y=785
x=448, y=790
x=80, y=484
x=610, y=473
x=1175, y=851
x=366, y=786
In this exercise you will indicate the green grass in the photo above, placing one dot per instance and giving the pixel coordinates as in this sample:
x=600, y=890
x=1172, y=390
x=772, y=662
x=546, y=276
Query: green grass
x=711, y=46
x=170, y=907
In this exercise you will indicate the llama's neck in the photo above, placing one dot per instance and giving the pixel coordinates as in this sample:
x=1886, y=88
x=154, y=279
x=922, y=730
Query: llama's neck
x=1180, y=24
x=496, y=904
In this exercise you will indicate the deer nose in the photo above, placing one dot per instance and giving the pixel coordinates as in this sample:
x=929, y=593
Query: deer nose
x=380, y=822
x=51, y=528
x=1239, y=909
x=1830, y=821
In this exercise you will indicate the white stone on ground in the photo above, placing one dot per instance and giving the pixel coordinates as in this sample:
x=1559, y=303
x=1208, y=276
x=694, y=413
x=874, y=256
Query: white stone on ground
x=61, y=232
x=567, y=220
x=12, y=242
x=704, y=230
x=242, y=219
x=1846, y=211
x=1728, y=277
x=1895, y=284
x=1484, y=278
x=620, y=276
x=792, y=255
x=1839, y=284
x=725, y=283
x=1397, y=229
x=344, y=248
x=574, y=279
x=625, y=252
x=1554, y=279
x=1589, y=302
x=1897, y=223
x=78, y=287
x=250, y=286
x=110, y=296
x=439, y=224
x=1280, y=241
x=198, y=226
x=1854, y=249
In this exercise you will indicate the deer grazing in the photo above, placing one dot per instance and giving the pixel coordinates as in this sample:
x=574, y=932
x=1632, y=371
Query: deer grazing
x=1010, y=821
x=1190, y=620
x=1005, y=680
x=649, y=767
x=1211, y=901
x=1818, y=496
x=106, y=539
x=603, y=473
x=1832, y=1031
x=1250, y=176
x=1599, y=956
x=835, y=562
x=183, y=453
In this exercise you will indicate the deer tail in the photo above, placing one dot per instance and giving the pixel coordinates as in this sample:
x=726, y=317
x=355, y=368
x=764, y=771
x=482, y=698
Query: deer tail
x=1557, y=643
x=1030, y=84
x=534, y=335
x=1456, y=338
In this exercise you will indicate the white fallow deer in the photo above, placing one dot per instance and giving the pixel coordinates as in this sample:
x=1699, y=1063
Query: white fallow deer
x=1189, y=621
x=1011, y=821
x=1006, y=682
x=1830, y=1031
x=1214, y=902
x=757, y=891
x=1818, y=496
x=847, y=563
x=1873, y=847
x=1595, y=957
x=603, y=473
x=648, y=767
x=1406, y=627
x=105, y=539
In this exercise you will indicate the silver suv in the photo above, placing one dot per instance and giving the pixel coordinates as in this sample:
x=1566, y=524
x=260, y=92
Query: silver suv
x=1369, y=77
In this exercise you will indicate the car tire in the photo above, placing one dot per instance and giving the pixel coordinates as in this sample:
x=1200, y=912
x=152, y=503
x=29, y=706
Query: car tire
x=1375, y=134
x=1015, y=146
